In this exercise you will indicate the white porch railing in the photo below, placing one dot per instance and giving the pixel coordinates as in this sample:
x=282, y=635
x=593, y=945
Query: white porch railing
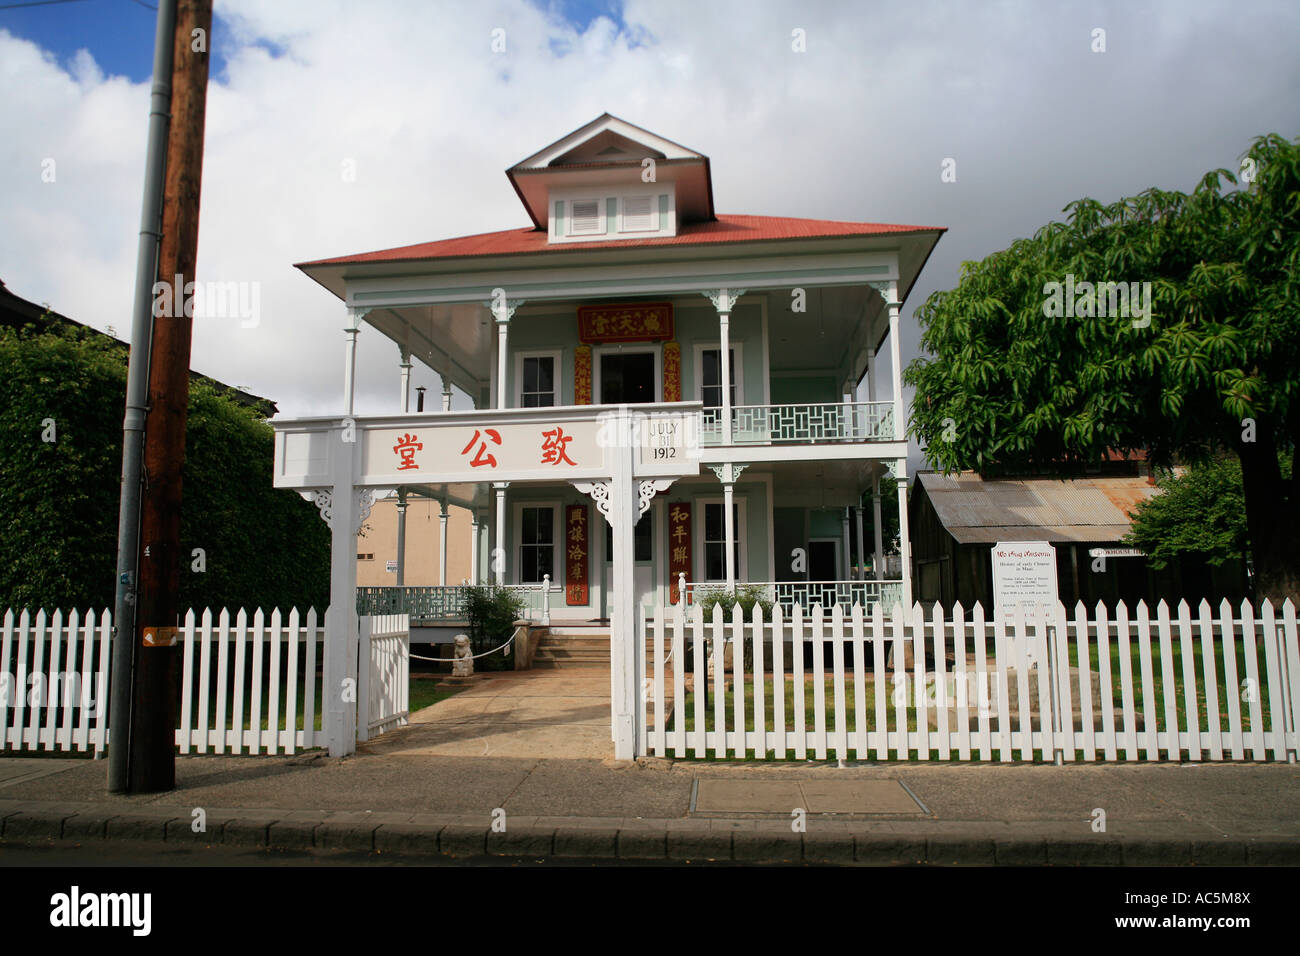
x=807, y=594
x=450, y=602
x=801, y=424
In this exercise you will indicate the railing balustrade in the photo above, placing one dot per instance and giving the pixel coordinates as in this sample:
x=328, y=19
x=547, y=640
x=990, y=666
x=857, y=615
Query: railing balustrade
x=807, y=594
x=801, y=424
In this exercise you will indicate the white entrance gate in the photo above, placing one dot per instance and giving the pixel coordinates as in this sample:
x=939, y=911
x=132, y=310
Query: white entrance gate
x=621, y=458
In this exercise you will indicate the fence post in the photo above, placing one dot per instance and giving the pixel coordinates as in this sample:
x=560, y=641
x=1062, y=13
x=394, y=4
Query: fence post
x=546, y=600
x=681, y=590
x=1053, y=670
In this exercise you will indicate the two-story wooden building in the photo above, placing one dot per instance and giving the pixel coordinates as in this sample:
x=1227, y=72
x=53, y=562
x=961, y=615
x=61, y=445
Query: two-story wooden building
x=629, y=289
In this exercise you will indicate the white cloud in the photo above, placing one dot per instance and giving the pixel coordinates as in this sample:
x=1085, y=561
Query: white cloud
x=855, y=128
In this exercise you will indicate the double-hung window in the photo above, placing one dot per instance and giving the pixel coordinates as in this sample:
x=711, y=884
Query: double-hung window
x=537, y=545
x=711, y=377
x=715, y=541
x=538, y=381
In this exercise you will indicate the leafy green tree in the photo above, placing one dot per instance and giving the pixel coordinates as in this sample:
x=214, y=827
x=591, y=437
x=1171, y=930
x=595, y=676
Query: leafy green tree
x=1015, y=382
x=62, y=392
x=1201, y=512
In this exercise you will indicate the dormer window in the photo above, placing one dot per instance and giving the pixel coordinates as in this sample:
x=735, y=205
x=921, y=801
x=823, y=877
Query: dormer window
x=587, y=214
x=587, y=220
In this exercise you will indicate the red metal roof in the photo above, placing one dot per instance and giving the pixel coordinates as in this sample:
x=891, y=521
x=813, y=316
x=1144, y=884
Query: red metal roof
x=723, y=229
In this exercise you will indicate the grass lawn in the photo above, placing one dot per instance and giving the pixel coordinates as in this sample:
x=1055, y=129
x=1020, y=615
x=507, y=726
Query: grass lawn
x=1157, y=698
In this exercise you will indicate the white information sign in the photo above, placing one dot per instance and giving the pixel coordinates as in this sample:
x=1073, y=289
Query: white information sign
x=390, y=567
x=1024, y=574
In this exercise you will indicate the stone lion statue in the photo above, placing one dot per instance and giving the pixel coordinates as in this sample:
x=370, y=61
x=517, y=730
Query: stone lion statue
x=462, y=659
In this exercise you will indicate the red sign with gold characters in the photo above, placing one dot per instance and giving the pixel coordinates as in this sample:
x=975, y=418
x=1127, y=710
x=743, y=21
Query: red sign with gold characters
x=582, y=375
x=577, y=547
x=638, y=322
x=672, y=372
x=679, y=546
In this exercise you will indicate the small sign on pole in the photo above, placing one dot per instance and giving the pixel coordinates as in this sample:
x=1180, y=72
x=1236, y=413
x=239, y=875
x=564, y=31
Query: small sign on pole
x=390, y=567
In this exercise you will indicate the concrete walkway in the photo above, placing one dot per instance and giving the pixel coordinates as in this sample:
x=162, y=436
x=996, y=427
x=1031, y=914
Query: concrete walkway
x=668, y=810
x=518, y=766
x=562, y=714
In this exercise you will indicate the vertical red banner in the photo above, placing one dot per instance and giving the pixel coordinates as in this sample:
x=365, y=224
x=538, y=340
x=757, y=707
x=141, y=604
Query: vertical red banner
x=672, y=372
x=582, y=375
x=679, y=546
x=577, y=548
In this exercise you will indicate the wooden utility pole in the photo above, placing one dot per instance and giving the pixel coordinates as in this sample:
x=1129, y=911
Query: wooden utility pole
x=153, y=759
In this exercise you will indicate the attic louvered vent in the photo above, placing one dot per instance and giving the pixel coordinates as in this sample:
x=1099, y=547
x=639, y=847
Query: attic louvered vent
x=586, y=217
x=637, y=214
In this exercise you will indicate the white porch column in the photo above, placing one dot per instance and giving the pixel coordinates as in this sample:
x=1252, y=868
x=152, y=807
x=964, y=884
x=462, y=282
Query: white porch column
x=401, y=537
x=446, y=393
x=862, y=554
x=502, y=310
x=729, y=474
x=406, y=381
x=350, y=358
x=871, y=373
x=476, y=528
x=442, y=543
x=844, y=534
x=724, y=300
x=878, y=561
x=729, y=523
x=896, y=360
x=499, y=548
x=904, y=544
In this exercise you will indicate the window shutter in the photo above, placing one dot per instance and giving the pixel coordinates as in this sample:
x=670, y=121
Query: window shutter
x=637, y=214
x=586, y=215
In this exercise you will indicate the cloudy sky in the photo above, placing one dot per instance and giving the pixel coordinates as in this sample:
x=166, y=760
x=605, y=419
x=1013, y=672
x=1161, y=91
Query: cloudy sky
x=411, y=94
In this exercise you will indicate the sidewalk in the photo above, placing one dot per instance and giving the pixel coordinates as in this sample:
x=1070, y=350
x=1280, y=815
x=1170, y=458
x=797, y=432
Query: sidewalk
x=592, y=809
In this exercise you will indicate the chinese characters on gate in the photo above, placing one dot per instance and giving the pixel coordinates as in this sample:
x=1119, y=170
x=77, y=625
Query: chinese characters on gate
x=554, y=449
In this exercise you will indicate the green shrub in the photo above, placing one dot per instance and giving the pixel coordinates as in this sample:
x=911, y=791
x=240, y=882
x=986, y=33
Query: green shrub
x=746, y=595
x=492, y=613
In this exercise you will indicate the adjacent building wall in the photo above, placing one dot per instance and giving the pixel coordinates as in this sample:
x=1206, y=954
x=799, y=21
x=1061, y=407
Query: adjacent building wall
x=377, y=544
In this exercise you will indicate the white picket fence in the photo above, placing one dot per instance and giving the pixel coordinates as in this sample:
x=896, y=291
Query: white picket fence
x=912, y=687
x=248, y=686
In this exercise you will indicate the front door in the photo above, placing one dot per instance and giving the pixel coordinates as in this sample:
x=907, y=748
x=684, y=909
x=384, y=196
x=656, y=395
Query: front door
x=824, y=560
x=627, y=378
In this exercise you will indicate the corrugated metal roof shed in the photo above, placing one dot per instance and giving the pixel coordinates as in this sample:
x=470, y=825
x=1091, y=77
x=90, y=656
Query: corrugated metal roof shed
x=975, y=511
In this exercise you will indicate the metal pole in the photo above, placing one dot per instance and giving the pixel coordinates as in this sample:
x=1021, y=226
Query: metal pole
x=137, y=400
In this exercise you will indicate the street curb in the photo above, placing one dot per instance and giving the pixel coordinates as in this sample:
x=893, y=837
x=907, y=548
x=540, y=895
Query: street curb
x=647, y=840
